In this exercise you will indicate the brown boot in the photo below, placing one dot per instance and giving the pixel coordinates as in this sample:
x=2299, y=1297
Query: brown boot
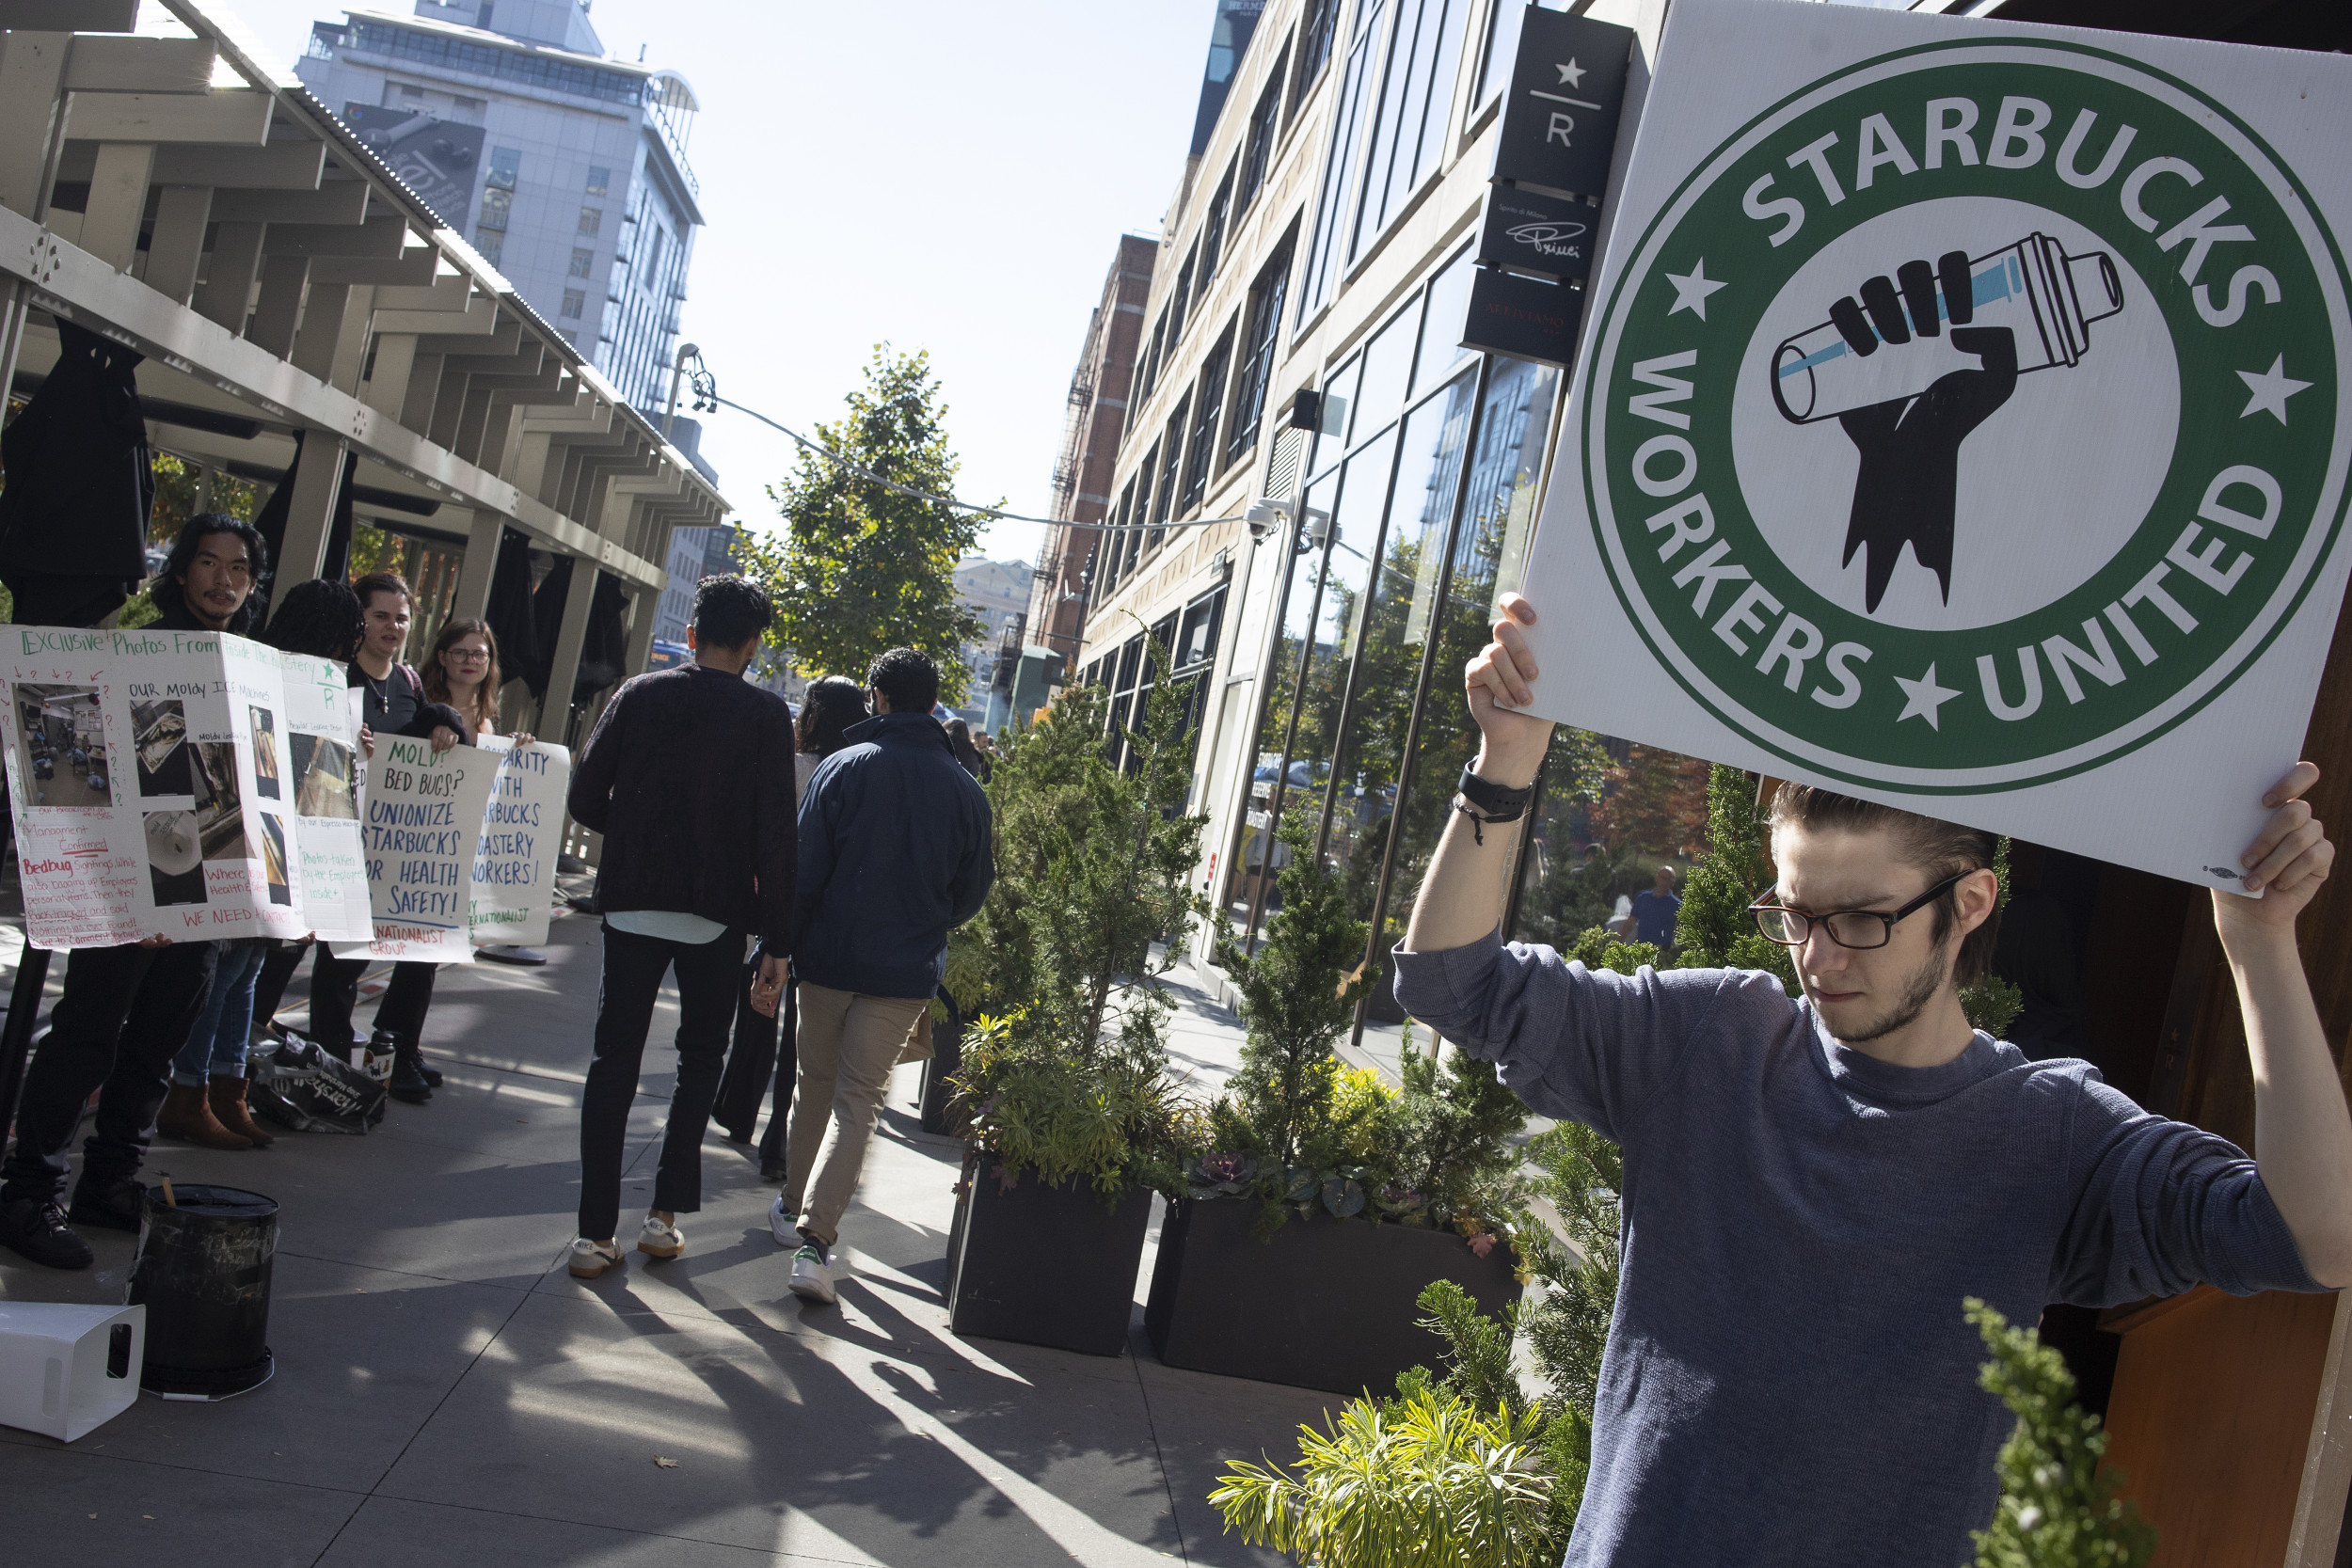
x=187, y=1116
x=227, y=1107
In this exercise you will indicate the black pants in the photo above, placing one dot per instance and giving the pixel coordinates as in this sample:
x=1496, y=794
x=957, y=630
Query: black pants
x=764, y=1054
x=335, y=992
x=126, y=1011
x=708, y=974
x=276, y=969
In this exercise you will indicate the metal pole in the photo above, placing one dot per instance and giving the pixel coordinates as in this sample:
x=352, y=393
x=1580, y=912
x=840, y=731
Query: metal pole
x=1290, y=730
x=677, y=375
x=1428, y=670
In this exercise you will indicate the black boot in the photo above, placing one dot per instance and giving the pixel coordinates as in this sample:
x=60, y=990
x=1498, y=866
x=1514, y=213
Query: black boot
x=116, y=1205
x=384, y=1042
x=410, y=1080
x=36, y=1229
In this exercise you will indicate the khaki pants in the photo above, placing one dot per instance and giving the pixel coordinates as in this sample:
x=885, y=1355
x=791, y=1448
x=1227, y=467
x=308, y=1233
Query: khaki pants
x=848, y=1045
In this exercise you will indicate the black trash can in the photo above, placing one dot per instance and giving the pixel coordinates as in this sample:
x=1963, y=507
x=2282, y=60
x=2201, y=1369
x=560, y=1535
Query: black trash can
x=203, y=1271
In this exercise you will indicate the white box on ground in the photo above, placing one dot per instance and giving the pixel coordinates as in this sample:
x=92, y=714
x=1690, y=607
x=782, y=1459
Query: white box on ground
x=65, y=1371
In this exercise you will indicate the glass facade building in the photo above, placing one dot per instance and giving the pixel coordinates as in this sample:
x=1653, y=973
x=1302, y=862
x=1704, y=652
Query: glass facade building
x=1305, y=349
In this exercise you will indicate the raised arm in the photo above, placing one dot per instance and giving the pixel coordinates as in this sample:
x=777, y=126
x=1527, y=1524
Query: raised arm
x=2302, y=1130
x=1461, y=899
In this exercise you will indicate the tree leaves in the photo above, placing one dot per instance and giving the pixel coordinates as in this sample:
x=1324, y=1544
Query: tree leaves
x=861, y=568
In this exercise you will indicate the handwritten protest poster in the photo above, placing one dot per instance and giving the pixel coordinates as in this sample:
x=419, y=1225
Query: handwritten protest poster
x=422, y=821
x=152, y=778
x=514, y=869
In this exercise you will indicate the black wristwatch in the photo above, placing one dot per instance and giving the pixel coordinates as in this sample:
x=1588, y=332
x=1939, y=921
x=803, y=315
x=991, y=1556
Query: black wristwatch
x=1484, y=802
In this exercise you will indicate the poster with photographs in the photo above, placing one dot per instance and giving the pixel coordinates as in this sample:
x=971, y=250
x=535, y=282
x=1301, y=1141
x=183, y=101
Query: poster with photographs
x=321, y=784
x=514, y=868
x=148, y=778
x=423, y=812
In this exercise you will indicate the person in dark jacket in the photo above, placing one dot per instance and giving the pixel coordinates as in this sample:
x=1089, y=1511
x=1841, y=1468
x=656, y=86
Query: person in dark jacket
x=125, y=1010
x=895, y=853
x=393, y=703
x=688, y=778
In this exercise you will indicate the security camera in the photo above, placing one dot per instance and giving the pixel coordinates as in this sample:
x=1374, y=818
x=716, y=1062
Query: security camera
x=1262, y=516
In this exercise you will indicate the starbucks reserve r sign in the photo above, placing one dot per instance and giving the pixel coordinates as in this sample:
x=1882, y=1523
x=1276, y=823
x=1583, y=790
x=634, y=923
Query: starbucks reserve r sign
x=1960, y=422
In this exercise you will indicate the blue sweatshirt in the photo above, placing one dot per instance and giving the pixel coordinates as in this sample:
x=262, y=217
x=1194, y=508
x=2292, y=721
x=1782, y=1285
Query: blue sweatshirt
x=1788, y=1380
x=894, y=852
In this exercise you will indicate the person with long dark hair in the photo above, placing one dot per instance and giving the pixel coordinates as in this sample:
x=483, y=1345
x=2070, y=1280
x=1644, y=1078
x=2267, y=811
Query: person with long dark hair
x=762, y=1048
x=321, y=618
x=125, y=1010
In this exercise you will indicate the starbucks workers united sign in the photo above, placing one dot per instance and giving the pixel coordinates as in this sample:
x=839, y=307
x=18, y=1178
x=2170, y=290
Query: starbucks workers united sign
x=1958, y=423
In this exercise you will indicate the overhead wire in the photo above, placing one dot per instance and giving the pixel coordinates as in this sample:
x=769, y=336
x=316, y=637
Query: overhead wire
x=706, y=399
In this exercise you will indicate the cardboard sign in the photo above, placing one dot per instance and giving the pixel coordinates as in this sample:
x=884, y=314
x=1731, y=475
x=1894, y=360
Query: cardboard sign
x=423, y=826
x=186, y=785
x=1959, y=423
x=522, y=826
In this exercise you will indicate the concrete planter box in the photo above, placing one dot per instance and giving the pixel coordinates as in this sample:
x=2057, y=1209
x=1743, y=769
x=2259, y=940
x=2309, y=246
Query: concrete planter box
x=1323, y=1303
x=1044, y=1265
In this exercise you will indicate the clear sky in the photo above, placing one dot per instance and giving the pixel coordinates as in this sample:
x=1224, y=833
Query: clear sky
x=935, y=174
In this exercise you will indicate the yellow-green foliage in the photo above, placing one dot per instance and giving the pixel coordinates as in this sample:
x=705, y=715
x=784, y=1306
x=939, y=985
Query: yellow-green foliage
x=2058, y=1504
x=1113, y=1121
x=1429, y=1480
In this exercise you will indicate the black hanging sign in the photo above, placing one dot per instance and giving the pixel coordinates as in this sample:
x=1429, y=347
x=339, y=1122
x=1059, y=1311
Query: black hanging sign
x=1528, y=231
x=1524, y=317
x=1568, y=86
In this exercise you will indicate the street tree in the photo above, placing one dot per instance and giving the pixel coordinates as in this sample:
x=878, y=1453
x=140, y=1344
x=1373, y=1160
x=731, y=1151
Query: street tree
x=860, y=567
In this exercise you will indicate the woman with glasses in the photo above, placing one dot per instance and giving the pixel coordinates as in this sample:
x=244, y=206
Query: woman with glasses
x=463, y=671
x=1815, y=1185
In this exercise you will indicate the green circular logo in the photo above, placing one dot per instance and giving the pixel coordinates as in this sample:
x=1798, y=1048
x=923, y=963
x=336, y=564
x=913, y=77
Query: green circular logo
x=1972, y=417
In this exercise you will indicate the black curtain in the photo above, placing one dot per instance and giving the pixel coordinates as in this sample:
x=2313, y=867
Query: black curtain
x=80, y=487
x=546, y=619
x=510, y=612
x=604, y=651
x=271, y=521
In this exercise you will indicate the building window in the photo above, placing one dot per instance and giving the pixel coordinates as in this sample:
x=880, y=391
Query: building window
x=506, y=162
x=582, y=261
x=493, y=246
x=410, y=91
x=568, y=336
x=1315, y=36
x=495, y=204
x=591, y=219
x=574, y=302
x=1502, y=46
x=1171, y=470
x=1408, y=135
x=481, y=18
x=598, y=179
x=1149, y=376
x=1339, y=169
x=477, y=107
x=1178, y=299
x=1258, y=338
x=1205, y=407
x=1264, y=129
x=1212, y=231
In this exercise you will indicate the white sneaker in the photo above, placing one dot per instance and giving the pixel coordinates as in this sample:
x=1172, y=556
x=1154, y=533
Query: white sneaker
x=812, y=1274
x=593, y=1259
x=782, y=1225
x=660, y=1241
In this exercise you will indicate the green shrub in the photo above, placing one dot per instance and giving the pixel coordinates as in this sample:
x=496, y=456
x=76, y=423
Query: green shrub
x=1067, y=1073
x=1427, y=1480
x=2059, y=1507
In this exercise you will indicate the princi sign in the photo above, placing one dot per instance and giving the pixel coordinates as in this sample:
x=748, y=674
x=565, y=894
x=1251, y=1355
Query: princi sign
x=1966, y=419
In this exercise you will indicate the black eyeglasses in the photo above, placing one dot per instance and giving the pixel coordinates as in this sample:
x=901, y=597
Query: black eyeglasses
x=1860, y=930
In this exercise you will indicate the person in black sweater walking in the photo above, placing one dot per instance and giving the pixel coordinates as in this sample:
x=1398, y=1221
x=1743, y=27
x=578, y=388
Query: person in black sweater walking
x=688, y=777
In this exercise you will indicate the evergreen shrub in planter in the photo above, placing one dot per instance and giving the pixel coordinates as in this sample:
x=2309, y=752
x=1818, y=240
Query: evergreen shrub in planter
x=1063, y=1087
x=1323, y=1202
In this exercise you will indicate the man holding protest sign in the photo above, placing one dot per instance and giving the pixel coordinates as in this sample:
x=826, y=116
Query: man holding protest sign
x=1813, y=1186
x=392, y=703
x=689, y=777
x=126, y=1011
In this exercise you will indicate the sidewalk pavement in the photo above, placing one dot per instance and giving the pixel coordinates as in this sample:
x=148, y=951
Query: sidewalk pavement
x=447, y=1394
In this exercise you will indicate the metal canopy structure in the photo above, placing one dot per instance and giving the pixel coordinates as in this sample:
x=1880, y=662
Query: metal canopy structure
x=185, y=197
